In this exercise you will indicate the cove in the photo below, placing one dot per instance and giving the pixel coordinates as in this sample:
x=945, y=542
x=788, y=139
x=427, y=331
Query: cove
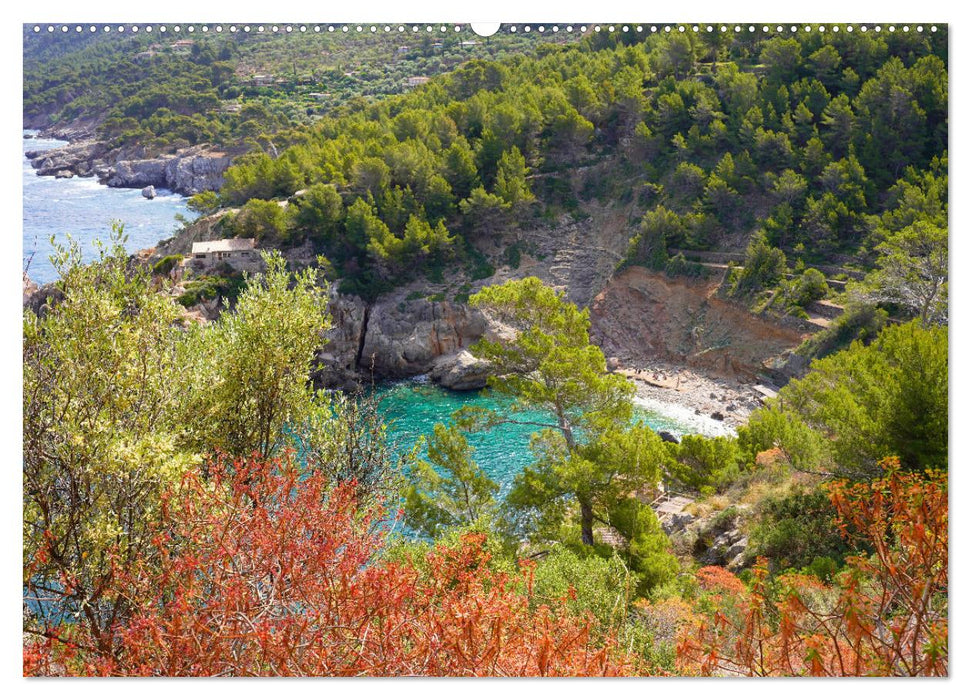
x=411, y=408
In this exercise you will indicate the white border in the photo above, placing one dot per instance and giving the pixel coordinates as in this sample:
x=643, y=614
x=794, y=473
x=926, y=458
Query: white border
x=438, y=11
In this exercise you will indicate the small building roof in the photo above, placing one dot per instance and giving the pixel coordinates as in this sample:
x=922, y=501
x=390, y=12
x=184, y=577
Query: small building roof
x=225, y=245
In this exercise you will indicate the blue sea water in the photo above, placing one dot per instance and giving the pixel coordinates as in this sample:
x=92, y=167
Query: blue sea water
x=84, y=209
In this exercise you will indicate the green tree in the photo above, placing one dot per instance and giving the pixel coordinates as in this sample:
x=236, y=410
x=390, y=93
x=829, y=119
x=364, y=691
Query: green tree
x=646, y=546
x=587, y=451
x=825, y=64
x=701, y=463
x=319, y=212
x=485, y=211
x=783, y=58
x=660, y=228
x=511, y=184
x=100, y=438
x=266, y=221
x=449, y=490
x=764, y=267
x=362, y=225
x=674, y=56
x=810, y=286
x=912, y=272
x=370, y=176
x=421, y=241
x=460, y=169
x=248, y=371
x=887, y=398
x=589, y=584
x=204, y=203
x=796, y=531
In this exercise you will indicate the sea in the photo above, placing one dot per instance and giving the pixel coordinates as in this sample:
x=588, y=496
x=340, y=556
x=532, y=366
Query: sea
x=83, y=209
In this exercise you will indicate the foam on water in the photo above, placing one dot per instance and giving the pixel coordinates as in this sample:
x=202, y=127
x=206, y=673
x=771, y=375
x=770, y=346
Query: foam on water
x=684, y=417
x=84, y=209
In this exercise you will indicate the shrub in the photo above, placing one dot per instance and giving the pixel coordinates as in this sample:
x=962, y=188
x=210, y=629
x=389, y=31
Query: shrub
x=795, y=530
x=166, y=265
x=701, y=463
x=264, y=220
x=334, y=610
x=810, y=286
x=764, y=267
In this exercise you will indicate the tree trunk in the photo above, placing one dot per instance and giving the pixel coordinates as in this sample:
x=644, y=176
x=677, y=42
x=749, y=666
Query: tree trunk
x=586, y=521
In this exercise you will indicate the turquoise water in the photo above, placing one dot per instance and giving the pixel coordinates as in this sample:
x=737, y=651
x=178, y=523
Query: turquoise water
x=85, y=209
x=411, y=408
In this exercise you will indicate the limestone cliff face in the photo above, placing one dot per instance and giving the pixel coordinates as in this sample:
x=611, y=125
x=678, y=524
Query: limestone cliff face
x=337, y=359
x=187, y=171
x=394, y=339
x=404, y=339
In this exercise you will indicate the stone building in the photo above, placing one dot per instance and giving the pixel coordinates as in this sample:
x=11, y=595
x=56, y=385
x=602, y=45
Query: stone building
x=239, y=253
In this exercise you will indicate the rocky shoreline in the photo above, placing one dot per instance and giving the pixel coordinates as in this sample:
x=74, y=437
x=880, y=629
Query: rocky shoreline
x=721, y=405
x=188, y=171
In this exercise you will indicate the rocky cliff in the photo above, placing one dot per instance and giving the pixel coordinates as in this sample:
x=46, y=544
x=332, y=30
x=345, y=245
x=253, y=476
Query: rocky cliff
x=187, y=171
x=394, y=339
x=642, y=315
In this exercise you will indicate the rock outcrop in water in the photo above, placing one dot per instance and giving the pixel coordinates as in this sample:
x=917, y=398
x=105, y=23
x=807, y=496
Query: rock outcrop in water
x=187, y=171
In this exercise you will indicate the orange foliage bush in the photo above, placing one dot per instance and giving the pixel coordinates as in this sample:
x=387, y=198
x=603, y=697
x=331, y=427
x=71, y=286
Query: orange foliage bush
x=886, y=615
x=260, y=570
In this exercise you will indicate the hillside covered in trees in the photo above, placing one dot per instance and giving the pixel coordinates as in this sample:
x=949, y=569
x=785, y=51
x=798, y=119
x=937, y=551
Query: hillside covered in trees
x=231, y=88
x=787, y=154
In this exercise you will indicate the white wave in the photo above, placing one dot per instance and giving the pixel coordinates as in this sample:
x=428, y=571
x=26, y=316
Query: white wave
x=686, y=417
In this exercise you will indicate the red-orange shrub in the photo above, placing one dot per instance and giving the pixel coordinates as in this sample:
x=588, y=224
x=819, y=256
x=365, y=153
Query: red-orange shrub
x=886, y=615
x=259, y=570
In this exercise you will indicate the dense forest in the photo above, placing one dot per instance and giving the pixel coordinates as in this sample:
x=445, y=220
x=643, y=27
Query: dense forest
x=816, y=151
x=193, y=506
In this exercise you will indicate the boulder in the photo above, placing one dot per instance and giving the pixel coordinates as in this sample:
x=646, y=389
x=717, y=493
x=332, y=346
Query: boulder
x=148, y=192
x=30, y=288
x=40, y=299
x=676, y=522
x=460, y=371
x=668, y=437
